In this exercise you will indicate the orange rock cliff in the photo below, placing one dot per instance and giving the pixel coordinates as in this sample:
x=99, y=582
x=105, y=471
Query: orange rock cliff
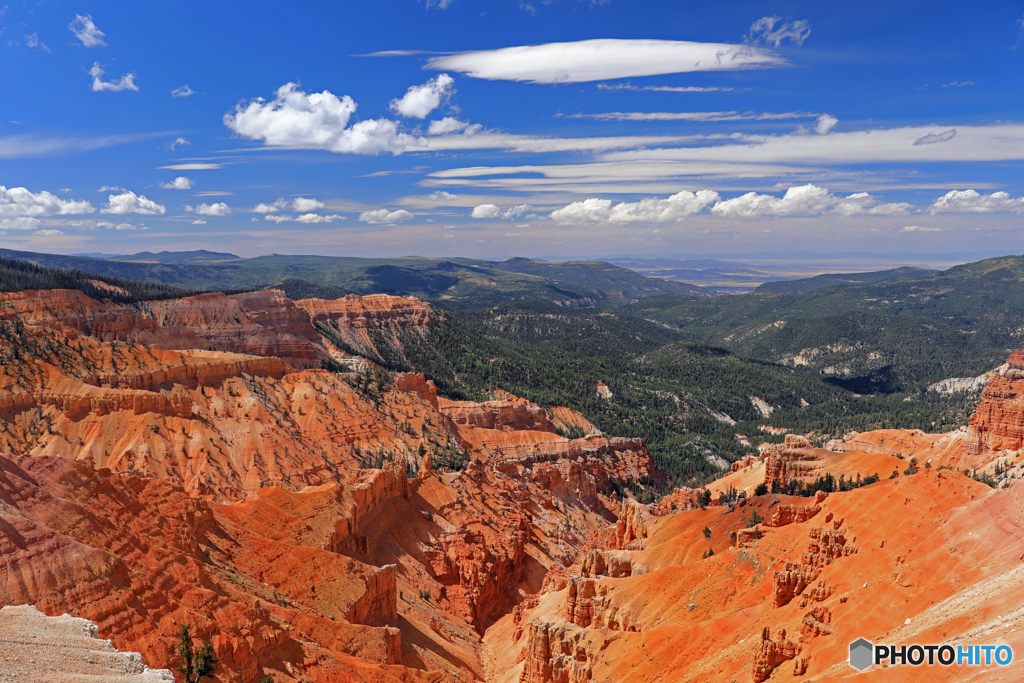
x=186, y=462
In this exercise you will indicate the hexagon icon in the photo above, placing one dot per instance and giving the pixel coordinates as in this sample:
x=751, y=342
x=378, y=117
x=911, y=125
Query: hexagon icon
x=861, y=654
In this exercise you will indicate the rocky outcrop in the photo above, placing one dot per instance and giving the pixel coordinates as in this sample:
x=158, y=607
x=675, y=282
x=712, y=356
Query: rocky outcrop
x=505, y=415
x=794, y=458
x=556, y=654
x=631, y=528
x=824, y=547
x=372, y=310
x=771, y=654
x=35, y=647
x=612, y=563
x=415, y=383
x=997, y=426
x=792, y=514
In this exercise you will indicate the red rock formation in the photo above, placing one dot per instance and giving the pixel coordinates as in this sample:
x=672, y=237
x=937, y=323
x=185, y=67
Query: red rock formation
x=771, y=654
x=555, y=654
x=997, y=426
x=791, y=514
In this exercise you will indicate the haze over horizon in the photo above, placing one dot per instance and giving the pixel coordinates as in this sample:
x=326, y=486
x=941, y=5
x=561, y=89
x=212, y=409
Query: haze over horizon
x=558, y=129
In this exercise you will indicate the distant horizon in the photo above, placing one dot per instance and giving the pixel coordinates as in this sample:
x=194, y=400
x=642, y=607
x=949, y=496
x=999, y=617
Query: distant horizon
x=563, y=128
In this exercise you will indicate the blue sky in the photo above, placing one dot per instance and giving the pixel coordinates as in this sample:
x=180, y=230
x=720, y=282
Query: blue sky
x=558, y=128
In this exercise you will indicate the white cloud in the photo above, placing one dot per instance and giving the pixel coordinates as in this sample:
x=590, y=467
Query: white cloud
x=32, y=40
x=957, y=84
x=385, y=216
x=970, y=201
x=278, y=219
x=85, y=30
x=315, y=218
x=647, y=210
x=270, y=208
x=18, y=201
x=199, y=221
x=492, y=211
x=65, y=190
x=593, y=60
x=442, y=196
x=178, y=142
x=420, y=100
x=48, y=233
x=486, y=211
x=806, y=200
x=824, y=124
x=179, y=183
x=314, y=121
x=306, y=204
x=183, y=91
x=764, y=32
x=450, y=124
x=19, y=223
x=218, y=209
x=112, y=188
x=918, y=228
x=663, y=88
x=935, y=138
x=129, y=202
x=126, y=82
x=301, y=204
x=107, y=225
x=700, y=116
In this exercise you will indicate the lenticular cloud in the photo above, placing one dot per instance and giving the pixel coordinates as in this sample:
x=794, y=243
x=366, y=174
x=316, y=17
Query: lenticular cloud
x=596, y=60
x=314, y=121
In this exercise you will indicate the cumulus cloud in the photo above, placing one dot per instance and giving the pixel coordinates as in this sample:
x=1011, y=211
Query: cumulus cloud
x=111, y=188
x=934, y=138
x=450, y=124
x=824, y=124
x=277, y=219
x=384, y=216
x=303, y=204
x=179, y=183
x=919, y=228
x=306, y=204
x=107, y=225
x=314, y=121
x=806, y=200
x=183, y=91
x=316, y=218
x=970, y=201
x=85, y=30
x=199, y=221
x=420, y=100
x=48, y=233
x=442, y=196
x=126, y=82
x=129, y=202
x=217, y=209
x=650, y=209
x=492, y=211
x=602, y=59
x=19, y=201
x=768, y=31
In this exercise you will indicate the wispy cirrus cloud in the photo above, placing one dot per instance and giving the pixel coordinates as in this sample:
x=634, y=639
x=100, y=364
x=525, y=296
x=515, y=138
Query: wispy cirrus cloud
x=697, y=116
x=32, y=145
x=773, y=31
x=663, y=88
x=603, y=59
